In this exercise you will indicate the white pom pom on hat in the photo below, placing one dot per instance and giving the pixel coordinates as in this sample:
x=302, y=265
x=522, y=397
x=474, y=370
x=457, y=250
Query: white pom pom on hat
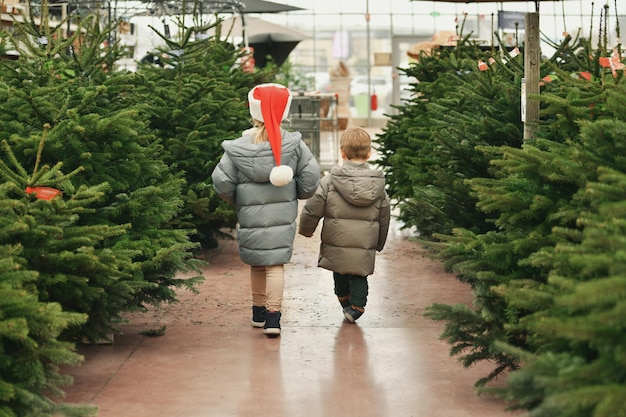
x=269, y=103
x=281, y=175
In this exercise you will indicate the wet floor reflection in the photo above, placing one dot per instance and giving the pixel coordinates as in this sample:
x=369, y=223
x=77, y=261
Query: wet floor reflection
x=262, y=393
x=351, y=388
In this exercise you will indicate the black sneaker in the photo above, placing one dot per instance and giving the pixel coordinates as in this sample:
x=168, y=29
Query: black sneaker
x=272, y=323
x=351, y=314
x=258, y=316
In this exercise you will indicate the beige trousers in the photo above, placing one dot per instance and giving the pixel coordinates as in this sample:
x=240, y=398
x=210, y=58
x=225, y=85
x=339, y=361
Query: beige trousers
x=267, y=283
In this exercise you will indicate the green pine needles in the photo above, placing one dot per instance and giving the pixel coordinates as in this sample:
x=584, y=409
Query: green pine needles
x=46, y=264
x=100, y=131
x=536, y=228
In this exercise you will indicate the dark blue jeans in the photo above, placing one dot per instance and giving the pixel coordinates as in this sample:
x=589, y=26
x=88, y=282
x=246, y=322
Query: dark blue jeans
x=353, y=285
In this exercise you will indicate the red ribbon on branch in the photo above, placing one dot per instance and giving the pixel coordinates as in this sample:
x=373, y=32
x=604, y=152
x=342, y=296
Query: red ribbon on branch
x=43, y=193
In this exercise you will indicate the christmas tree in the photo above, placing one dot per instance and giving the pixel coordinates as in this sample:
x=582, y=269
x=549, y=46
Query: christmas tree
x=538, y=197
x=510, y=204
x=96, y=127
x=430, y=147
x=573, y=359
x=46, y=263
x=30, y=351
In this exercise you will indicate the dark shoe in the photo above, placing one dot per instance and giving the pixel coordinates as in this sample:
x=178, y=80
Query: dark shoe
x=272, y=323
x=351, y=314
x=344, y=301
x=258, y=316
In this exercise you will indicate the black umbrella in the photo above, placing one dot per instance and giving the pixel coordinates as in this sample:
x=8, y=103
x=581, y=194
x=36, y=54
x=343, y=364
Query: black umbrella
x=262, y=6
x=278, y=52
x=268, y=39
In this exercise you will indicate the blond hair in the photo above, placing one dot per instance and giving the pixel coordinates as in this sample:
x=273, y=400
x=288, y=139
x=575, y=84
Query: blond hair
x=356, y=143
x=261, y=134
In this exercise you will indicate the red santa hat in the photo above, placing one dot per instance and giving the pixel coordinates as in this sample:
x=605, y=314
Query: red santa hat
x=270, y=103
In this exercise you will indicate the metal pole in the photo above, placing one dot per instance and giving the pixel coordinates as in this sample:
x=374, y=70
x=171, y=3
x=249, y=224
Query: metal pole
x=369, y=66
x=110, y=40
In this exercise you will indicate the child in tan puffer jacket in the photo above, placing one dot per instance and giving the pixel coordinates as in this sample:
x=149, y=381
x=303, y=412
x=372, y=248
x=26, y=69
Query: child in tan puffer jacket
x=355, y=207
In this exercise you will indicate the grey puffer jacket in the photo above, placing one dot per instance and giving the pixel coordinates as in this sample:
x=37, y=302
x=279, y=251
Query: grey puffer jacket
x=355, y=207
x=266, y=213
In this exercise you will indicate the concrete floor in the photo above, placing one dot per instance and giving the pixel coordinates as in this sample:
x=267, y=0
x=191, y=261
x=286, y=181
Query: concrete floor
x=211, y=362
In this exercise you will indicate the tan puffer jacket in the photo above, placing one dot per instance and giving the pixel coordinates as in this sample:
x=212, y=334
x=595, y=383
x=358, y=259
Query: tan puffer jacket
x=355, y=207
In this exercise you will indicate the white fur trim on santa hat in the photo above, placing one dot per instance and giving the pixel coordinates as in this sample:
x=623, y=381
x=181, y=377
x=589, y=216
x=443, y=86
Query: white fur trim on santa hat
x=255, y=105
x=281, y=175
x=250, y=132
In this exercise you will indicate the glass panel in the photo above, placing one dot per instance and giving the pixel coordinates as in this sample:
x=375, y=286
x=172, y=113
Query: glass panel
x=381, y=7
x=339, y=35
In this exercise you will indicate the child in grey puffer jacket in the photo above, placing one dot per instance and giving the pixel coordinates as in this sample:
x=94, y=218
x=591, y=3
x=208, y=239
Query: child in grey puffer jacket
x=264, y=174
x=355, y=207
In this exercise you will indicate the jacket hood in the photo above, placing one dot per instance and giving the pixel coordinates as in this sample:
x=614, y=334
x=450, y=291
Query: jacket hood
x=360, y=187
x=256, y=160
